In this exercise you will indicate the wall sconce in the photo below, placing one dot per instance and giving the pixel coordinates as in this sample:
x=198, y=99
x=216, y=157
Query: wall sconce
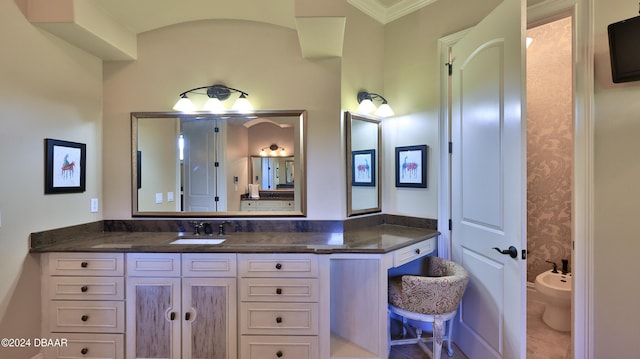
x=216, y=94
x=365, y=99
x=273, y=151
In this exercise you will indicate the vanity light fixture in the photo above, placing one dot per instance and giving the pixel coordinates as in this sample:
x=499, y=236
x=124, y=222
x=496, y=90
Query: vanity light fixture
x=365, y=99
x=216, y=94
x=273, y=151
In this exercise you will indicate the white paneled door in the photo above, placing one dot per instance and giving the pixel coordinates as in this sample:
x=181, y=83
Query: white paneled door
x=489, y=183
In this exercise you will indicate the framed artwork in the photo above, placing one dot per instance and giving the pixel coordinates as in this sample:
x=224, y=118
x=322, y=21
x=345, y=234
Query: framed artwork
x=411, y=166
x=363, y=168
x=64, y=167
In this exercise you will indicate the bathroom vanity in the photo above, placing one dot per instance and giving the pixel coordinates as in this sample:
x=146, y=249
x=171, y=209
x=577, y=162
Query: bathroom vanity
x=316, y=295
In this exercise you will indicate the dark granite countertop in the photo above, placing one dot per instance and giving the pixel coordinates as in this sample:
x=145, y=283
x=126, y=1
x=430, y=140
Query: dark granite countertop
x=380, y=238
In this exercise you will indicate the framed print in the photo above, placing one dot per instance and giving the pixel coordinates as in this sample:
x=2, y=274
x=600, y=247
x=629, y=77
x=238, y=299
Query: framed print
x=411, y=166
x=64, y=167
x=363, y=168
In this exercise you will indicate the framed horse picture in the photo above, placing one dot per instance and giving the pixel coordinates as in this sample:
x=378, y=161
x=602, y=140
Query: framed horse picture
x=363, y=169
x=411, y=166
x=64, y=166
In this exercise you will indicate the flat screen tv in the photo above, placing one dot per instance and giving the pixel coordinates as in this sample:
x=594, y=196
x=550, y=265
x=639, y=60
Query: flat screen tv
x=624, y=50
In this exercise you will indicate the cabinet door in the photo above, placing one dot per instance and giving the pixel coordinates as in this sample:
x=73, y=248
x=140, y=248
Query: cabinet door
x=153, y=318
x=209, y=307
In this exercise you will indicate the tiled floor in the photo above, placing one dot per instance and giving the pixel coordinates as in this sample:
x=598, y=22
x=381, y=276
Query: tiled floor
x=542, y=341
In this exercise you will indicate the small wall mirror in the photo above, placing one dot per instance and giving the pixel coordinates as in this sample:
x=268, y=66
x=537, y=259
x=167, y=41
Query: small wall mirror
x=218, y=165
x=364, y=141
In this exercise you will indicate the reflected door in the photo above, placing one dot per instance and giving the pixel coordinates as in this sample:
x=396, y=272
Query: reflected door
x=201, y=166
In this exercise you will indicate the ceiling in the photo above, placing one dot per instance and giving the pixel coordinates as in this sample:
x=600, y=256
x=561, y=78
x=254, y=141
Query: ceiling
x=109, y=28
x=144, y=15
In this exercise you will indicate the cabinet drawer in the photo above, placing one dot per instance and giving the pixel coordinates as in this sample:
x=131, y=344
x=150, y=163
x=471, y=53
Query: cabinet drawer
x=278, y=265
x=89, y=346
x=86, y=264
x=208, y=265
x=269, y=347
x=86, y=288
x=86, y=317
x=153, y=264
x=279, y=318
x=279, y=290
x=414, y=251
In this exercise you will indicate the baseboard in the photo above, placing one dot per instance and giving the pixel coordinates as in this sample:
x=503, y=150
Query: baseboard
x=38, y=356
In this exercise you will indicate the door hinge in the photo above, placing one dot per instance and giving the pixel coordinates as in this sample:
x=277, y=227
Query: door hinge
x=216, y=164
x=216, y=129
x=450, y=224
x=450, y=147
x=216, y=199
x=449, y=66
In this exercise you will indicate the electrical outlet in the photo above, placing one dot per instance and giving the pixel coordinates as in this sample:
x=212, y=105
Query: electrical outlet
x=169, y=196
x=159, y=197
x=94, y=205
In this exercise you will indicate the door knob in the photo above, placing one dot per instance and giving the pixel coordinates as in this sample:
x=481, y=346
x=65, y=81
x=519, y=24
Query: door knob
x=512, y=251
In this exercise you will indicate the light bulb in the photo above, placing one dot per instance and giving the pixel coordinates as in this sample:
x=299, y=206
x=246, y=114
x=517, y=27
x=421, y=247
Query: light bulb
x=384, y=111
x=184, y=105
x=366, y=106
x=263, y=153
x=242, y=105
x=214, y=105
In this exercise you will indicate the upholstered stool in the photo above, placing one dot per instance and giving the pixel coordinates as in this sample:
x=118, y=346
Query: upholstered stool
x=432, y=297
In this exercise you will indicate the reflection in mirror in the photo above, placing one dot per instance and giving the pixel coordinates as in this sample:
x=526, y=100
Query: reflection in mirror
x=364, y=141
x=216, y=165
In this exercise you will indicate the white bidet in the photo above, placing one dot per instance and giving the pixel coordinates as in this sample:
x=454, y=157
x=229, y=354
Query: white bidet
x=555, y=289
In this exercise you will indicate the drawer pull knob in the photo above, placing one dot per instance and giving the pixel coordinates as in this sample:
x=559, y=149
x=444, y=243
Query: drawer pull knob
x=187, y=316
x=279, y=354
x=278, y=266
x=84, y=351
x=172, y=316
x=278, y=291
x=84, y=289
x=84, y=264
x=279, y=320
x=417, y=250
x=84, y=318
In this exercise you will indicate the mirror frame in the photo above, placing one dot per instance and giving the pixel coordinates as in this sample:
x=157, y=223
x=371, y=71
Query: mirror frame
x=348, y=119
x=300, y=158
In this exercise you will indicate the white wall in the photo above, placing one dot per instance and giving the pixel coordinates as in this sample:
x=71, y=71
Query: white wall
x=617, y=195
x=49, y=89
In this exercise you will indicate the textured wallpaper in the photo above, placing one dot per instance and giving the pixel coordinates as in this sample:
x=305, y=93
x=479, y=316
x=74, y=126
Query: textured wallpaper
x=549, y=146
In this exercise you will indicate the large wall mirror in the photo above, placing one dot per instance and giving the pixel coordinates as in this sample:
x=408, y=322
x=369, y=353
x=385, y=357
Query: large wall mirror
x=218, y=165
x=364, y=141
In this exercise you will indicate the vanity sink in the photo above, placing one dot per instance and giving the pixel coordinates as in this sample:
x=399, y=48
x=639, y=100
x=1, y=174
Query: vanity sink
x=198, y=240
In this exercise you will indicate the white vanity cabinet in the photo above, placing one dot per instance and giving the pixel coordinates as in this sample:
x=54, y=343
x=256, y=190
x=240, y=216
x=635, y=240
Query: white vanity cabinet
x=83, y=304
x=181, y=305
x=279, y=311
x=270, y=205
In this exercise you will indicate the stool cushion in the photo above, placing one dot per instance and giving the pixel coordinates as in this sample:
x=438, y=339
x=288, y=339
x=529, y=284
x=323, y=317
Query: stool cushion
x=439, y=291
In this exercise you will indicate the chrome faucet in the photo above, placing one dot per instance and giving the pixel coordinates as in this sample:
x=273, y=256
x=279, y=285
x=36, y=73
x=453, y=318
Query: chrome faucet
x=221, y=228
x=197, y=226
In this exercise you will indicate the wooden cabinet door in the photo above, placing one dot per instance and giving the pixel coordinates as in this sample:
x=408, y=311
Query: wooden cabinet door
x=153, y=317
x=209, y=318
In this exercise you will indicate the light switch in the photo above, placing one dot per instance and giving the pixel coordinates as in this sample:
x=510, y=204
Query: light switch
x=169, y=196
x=159, y=197
x=94, y=205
